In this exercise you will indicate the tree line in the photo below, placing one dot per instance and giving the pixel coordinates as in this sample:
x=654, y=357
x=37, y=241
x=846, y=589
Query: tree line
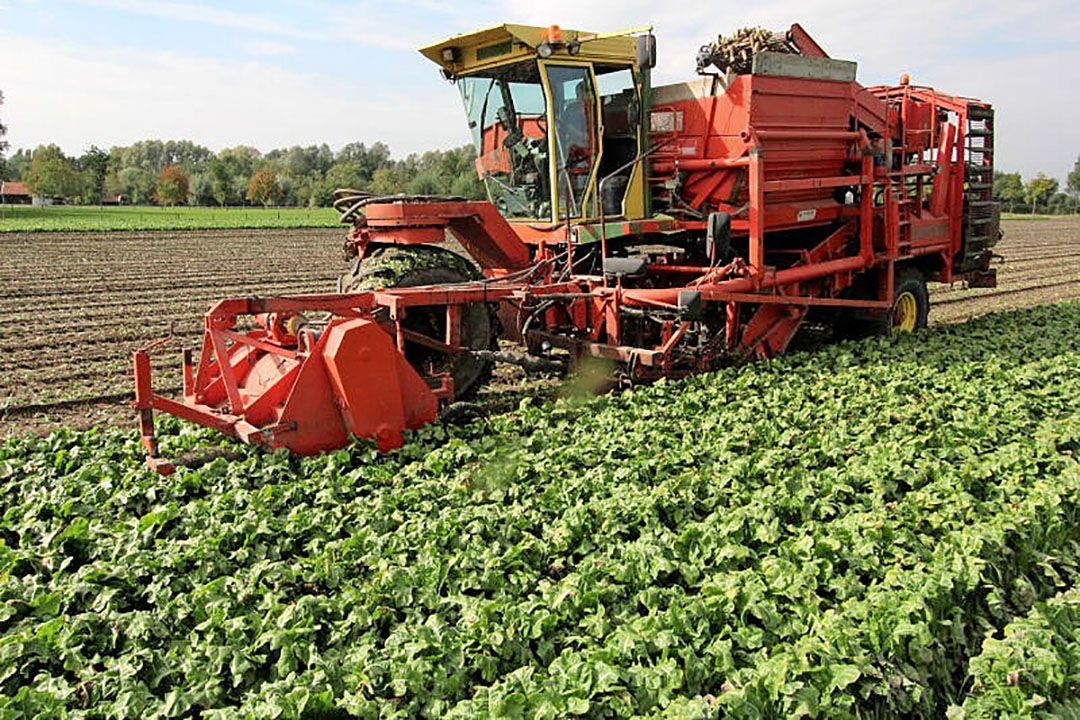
x=1038, y=194
x=180, y=172
x=183, y=173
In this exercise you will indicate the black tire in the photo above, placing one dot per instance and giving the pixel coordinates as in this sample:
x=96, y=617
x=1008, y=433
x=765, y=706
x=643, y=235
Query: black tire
x=412, y=266
x=910, y=283
x=856, y=325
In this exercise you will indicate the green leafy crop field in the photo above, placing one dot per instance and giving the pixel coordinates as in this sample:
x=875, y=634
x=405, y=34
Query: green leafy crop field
x=876, y=529
x=70, y=218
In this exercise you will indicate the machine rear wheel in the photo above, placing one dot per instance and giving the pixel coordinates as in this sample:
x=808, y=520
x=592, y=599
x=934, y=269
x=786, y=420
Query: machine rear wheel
x=911, y=308
x=400, y=266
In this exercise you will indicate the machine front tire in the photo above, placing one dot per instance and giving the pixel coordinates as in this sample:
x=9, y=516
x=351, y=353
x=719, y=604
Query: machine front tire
x=413, y=266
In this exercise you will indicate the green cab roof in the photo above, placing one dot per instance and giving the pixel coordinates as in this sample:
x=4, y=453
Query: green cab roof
x=509, y=42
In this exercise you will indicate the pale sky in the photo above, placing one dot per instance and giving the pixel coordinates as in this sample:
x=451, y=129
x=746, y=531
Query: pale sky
x=277, y=73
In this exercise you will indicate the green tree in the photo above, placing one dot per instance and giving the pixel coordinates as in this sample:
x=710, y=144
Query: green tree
x=305, y=175
x=368, y=159
x=347, y=175
x=94, y=163
x=220, y=181
x=387, y=181
x=427, y=182
x=18, y=165
x=303, y=162
x=53, y=175
x=1072, y=183
x=342, y=175
x=187, y=155
x=1038, y=189
x=264, y=187
x=469, y=187
x=200, y=189
x=1008, y=189
x=155, y=155
x=3, y=144
x=231, y=173
x=135, y=184
x=1061, y=204
x=172, y=186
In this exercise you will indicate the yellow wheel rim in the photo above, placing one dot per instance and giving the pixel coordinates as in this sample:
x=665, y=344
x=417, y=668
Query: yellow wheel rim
x=906, y=313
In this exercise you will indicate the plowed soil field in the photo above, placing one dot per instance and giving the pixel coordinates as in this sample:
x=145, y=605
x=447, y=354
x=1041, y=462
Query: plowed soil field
x=74, y=305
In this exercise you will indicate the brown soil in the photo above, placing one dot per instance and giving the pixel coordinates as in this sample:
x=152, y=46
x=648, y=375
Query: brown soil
x=1041, y=265
x=75, y=305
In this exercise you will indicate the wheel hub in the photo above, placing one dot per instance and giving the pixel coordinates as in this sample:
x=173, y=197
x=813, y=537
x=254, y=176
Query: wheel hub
x=906, y=313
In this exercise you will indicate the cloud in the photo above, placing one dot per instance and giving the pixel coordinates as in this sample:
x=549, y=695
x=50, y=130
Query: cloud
x=206, y=14
x=76, y=95
x=403, y=25
x=375, y=23
x=266, y=47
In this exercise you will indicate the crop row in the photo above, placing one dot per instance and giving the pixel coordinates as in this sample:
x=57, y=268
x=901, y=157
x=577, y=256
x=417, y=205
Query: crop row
x=164, y=264
x=72, y=219
x=830, y=534
x=122, y=266
x=139, y=305
x=1024, y=285
x=72, y=386
x=74, y=255
x=63, y=374
x=96, y=248
x=100, y=348
x=1016, y=272
x=960, y=312
x=1033, y=669
x=92, y=289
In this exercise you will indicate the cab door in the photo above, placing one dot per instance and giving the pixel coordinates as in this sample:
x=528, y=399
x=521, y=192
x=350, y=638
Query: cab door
x=575, y=145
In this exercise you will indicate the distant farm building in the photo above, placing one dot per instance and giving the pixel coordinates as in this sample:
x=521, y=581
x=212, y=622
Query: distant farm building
x=15, y=193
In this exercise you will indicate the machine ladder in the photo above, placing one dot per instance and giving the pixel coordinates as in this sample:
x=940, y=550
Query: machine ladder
x=981, y=211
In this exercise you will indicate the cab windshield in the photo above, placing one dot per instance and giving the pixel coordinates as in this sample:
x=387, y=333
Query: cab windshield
x=507, y=111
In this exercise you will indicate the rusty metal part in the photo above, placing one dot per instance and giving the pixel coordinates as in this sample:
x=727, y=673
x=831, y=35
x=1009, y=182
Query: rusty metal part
x=528, y=363
x=350, y=202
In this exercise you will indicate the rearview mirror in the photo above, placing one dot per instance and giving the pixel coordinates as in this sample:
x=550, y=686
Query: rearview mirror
x=646, y=51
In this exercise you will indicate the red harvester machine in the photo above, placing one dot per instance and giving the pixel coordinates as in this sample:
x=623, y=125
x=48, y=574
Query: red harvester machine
x=669, y=230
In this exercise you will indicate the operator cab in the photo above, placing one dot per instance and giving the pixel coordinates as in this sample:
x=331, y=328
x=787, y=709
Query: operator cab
x=557, y=119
